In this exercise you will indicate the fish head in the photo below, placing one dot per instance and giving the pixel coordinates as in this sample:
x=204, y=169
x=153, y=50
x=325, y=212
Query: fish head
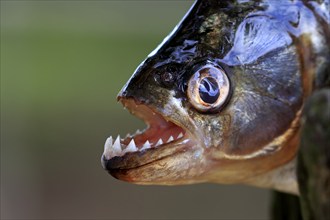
x=221, y=98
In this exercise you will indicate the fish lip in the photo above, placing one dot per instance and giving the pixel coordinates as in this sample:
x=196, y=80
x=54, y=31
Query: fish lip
x=133, y=160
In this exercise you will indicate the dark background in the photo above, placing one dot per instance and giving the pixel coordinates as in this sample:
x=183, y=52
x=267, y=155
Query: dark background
x=62, y=65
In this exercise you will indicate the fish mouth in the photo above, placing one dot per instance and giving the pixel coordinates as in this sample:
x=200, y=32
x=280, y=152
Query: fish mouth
x=162, y=138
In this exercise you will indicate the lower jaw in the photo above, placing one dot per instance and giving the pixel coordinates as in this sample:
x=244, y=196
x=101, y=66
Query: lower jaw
x=175, y=169
x=142, y=158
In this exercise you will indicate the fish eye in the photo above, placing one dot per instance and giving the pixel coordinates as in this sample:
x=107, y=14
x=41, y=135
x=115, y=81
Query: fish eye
x=208, y=89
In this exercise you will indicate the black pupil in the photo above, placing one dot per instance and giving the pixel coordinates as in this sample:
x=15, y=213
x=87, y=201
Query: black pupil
x=209, y=90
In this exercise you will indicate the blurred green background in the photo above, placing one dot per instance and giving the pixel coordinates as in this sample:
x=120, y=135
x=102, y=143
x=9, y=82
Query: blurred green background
x=62, y=65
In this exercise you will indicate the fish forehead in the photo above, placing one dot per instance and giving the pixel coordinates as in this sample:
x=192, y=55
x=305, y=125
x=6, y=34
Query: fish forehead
x=232, y=32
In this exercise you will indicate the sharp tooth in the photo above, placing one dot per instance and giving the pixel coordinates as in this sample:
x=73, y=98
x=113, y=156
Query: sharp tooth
x=131, y=147
x=108, y=152
x=108, y=143
x=180, y=135
x=128, y=135
x=117, y=147
x=160, y=142
x=146, y=145
x=170, y=139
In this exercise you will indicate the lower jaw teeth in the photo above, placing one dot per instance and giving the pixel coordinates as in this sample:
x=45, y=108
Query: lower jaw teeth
x=146, y=145
x=131, y=147
x=170, y=139
x=116, y=148
x=160, y=142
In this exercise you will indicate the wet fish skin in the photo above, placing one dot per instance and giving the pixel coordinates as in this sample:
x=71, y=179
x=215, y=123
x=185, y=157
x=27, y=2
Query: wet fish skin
x=275, y=54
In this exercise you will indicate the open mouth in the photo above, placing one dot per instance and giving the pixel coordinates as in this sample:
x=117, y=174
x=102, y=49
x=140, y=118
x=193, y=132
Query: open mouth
x=161, y=135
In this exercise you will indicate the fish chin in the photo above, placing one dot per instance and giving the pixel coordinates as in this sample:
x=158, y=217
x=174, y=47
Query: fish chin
x=160, y=154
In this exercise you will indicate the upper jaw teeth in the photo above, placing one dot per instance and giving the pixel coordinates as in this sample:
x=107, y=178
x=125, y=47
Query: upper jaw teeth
x=117, y=148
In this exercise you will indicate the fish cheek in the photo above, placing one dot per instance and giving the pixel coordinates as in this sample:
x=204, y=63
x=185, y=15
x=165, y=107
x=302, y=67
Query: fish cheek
x=266, y=100
x=212, y=128
x=255, y=127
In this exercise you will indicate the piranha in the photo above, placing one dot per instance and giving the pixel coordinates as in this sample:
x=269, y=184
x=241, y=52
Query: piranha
x=222, y=96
